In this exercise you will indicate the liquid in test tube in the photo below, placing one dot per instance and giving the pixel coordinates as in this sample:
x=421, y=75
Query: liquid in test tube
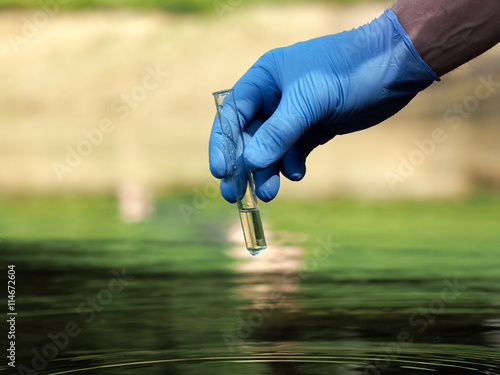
x=244, y=185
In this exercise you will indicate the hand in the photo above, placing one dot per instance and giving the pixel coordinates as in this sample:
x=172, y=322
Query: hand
x=298, y=97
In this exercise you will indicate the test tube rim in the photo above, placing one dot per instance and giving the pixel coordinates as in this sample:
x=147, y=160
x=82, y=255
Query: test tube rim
x=222, y=92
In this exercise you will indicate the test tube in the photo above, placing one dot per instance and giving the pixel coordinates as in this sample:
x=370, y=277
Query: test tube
x=243, y=182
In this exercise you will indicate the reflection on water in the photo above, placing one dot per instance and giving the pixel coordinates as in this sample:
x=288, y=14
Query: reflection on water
x=242, y=315
x=268, y=281
x=134, y=202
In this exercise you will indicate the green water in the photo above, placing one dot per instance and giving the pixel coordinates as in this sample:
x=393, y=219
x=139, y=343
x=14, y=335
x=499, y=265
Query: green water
x=375, y=287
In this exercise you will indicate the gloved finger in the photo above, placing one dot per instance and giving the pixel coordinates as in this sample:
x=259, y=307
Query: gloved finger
x=294, y=164
x=225, y=138
x=219, y=165
x=275, y=137
x=294, y=161
x=216, y=151
x=267, y=182
x=227, y=189
x=233, y=187
x=253, y=126
x=256, y=91
x=216, y=147
x=250, y=101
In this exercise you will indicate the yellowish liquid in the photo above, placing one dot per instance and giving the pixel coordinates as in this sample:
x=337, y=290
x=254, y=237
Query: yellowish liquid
x=253, y=231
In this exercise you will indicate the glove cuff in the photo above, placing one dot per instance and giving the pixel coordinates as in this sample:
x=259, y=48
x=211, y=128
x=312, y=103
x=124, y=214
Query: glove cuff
x=393, y=18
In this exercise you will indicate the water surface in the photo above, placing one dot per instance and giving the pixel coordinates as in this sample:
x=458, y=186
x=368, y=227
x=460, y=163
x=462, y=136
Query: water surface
x=167, y=296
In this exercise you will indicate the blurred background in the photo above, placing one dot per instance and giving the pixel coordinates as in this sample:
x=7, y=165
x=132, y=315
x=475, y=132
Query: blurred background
x=66, y=68
x=105, y=115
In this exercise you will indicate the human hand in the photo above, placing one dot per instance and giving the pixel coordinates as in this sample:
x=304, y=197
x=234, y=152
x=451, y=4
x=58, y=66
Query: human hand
x=298, y=97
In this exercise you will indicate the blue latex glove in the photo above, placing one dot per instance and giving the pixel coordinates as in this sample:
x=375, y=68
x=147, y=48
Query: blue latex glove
x=298, y=97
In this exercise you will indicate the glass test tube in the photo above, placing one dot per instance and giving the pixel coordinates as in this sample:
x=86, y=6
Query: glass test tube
x=244, y=185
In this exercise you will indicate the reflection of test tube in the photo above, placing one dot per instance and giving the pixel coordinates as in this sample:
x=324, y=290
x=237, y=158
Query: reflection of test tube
x=234, y=146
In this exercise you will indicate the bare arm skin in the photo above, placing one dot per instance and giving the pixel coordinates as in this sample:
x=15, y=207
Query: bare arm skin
x=448, y=33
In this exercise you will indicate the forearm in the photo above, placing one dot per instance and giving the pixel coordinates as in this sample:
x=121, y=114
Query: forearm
x=448, y=33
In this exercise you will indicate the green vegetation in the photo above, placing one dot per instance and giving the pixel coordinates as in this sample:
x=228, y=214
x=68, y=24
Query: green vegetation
x=181, y=6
